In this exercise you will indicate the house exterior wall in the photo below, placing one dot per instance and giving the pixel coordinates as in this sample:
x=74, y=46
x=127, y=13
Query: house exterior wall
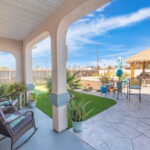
x=15, y=48
x=56, y=26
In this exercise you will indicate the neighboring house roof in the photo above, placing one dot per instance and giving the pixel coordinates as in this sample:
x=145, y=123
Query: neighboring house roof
x=143, y=56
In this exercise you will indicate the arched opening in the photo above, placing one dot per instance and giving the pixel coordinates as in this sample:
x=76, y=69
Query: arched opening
x=7, y=68
x=41, y=71
x=41, y=61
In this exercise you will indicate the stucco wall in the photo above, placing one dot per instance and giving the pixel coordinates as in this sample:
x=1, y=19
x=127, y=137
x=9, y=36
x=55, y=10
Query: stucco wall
x=15, y=48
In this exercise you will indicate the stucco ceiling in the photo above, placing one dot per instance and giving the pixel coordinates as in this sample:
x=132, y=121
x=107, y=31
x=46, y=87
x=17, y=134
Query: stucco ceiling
x=19, y=17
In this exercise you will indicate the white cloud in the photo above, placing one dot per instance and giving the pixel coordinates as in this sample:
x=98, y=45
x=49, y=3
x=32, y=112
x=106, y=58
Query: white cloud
x=7, y=60
x=91, y=15
x=101, y=9
x=109, y=59
x=102, y=63
x=42, y=48
x=122, y=54
x=83, y=31
x=105, y=62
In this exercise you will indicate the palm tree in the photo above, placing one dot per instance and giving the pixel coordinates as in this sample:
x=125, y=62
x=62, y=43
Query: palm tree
x=3, y=88
x=72, y=81
x=49, y=84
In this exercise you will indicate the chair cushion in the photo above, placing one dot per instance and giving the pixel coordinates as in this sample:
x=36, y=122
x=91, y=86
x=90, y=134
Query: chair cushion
x=10, y=117
x=22, y=124
x=5, y=103
x=134, y=87
x=104, y=89
x=111, y=88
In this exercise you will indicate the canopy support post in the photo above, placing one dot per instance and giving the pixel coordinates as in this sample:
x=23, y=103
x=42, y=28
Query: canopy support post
x=132, y=70
x=143, y=67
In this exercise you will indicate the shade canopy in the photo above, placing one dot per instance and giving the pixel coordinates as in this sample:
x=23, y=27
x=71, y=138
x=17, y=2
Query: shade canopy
x=143, y=56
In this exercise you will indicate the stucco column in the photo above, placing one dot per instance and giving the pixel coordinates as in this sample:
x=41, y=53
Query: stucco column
x=28, y=78
x=19, y=68
x=59, y=96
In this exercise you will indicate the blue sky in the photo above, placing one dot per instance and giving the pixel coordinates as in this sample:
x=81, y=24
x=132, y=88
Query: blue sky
x=120, y=28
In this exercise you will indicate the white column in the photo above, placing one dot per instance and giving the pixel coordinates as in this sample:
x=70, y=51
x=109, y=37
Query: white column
x=28, y=78
x=19, y=67
x=59, y=96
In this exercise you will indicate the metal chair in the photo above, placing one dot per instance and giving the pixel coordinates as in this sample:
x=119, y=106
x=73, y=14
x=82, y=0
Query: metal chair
x=112, y=87
x=19, y=130
x=104, y=90
x=134, y=83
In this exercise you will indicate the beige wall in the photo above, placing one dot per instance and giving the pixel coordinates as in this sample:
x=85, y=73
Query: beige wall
x=15, y=48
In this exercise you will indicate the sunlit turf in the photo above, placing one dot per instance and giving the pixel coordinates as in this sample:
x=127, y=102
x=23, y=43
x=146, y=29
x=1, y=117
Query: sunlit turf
x=97, y=104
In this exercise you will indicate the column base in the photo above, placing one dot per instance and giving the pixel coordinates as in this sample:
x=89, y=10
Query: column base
x=60, y=117
x=29, y=87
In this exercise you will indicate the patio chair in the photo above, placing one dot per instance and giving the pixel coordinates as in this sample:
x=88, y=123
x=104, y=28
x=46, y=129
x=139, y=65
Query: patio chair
x=134, y=83
x=15, y=132
x=111, y=87
x=6, y=101
x=104, y=90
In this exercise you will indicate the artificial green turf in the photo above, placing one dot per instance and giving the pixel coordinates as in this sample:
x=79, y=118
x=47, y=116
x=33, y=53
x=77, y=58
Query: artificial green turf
x=97, y=104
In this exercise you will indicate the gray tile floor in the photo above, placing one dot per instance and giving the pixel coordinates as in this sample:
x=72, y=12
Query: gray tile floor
x=124, y=126
x=46, y=139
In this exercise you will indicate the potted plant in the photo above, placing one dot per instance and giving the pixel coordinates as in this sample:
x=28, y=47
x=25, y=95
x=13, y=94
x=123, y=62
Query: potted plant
x=15, y=89
x=32, y=100
x=78, y=113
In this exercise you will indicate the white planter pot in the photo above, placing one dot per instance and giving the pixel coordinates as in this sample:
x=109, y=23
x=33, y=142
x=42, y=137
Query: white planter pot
x=77, y=126
x=32, y=104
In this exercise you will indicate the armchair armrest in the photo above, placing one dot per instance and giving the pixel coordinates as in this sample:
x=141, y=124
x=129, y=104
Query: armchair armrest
x=8, y=110
x=5, y=96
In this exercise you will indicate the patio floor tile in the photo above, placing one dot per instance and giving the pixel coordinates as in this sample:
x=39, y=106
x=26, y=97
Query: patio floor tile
x=124, y=126
x=46, y=139
x=141, y=143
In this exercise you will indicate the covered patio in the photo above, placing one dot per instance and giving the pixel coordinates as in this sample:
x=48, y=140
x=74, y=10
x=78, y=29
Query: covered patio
x=125, y=126
x=24, y=23
x=45, y=138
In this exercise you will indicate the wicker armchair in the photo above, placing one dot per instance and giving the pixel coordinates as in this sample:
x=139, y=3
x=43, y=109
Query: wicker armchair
x=134, y=83
x=15, y=133
x=14, y=102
